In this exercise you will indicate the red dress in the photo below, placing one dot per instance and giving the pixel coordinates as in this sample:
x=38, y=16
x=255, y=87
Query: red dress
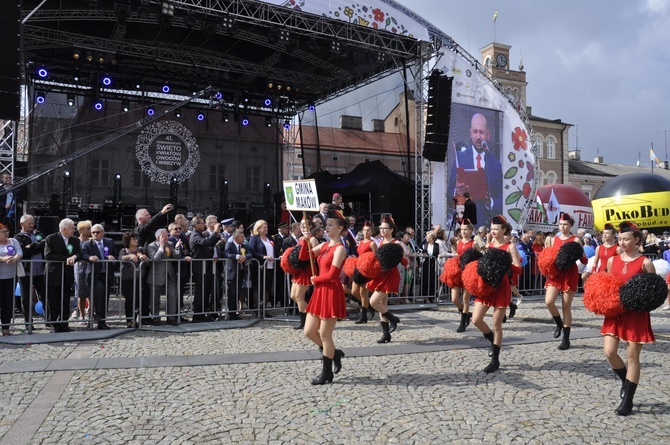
x=328, y=297
x=503, y=294
x=387, y=281
x=463, y=246
x=631, y=326
x=567, y=280
x=363, y=247
x=303, y=276
x=604, y=254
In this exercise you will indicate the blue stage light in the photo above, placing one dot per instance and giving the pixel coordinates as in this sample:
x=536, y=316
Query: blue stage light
x=201, y=116
x=166, y=88
x=245, y=121
x=150, y=111
x=311, y=108
x=40, y=97
x=42, y=72
x=98, y=105
x=287, y=125
x=268, y=102
x=218, y=95
x=106, y=81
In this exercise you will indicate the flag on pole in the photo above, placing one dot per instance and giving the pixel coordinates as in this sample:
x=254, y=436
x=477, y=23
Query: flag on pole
x=652, y=157
x=540, y=207
x=495, y=15
x=553, y=209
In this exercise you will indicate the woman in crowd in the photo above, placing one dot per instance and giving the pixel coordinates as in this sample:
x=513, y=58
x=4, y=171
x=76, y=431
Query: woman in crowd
x=538, y=247
x=500, y=229
x=565, y=282
x=367, y=244
x=261, y=248
x=632, y=326
x=460, y=297
x=604, y=252
x=327, y=304
x=300, y=281
x=10, y=254
x=387, y=282
x=82, y=278
x=131, y=259
x=431, y=252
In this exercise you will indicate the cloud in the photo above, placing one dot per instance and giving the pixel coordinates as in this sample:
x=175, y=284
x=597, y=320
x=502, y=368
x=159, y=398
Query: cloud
x=591, y=53
x=655, y=7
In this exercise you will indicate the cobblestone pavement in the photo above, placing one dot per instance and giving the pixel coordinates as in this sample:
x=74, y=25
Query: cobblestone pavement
x=253, y=386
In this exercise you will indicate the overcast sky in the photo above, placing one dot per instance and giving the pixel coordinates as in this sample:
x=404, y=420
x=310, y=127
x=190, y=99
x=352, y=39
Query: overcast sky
x=601, y=65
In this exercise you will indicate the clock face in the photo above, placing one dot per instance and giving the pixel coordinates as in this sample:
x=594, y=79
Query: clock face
x=501, y=60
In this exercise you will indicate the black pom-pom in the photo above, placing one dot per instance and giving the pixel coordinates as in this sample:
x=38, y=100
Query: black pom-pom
x=494, y=266
x=643, y=292
x=469, y=256
x=568, y=254
x=389, y=255
x=359, y=278
x=293, y=258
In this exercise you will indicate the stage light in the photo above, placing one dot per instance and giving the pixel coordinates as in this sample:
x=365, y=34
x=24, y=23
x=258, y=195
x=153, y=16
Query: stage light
x=101, y=59
x=218, y=95
x=225, y=117
x=201, y=116
x=89, y=56
x=117, y=176
x=42, y=72
x=40, y=97
x=167, y=8
x=76, y=55
x=166, y=88
x=268, y=122
x=125, y=106
x=268, y=102
x=106, y=81
x=150, y=111
x=245, y=121
x=66, y=174
x=138, y=85
x=70, y=100
x=287, y=124
x=177, y=112
x=98, y=105
x=311, y=107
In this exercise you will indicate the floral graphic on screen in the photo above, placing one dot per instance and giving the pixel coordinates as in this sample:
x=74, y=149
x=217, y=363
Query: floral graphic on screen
x=520, y=174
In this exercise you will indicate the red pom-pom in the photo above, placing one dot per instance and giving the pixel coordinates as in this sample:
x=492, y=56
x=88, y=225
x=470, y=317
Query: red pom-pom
x=286, y=264
x=368, y=265
x=667, y=278
x=473, y=282
x=601, y=294
x=349, y=266
x=451, y=276
x=546, y=262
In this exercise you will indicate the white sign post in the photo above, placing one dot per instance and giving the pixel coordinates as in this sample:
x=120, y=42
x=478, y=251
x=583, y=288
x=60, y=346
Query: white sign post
x=301, y=195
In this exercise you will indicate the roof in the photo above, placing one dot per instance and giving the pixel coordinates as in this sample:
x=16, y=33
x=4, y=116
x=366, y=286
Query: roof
x=341, y=139
x=611, y=170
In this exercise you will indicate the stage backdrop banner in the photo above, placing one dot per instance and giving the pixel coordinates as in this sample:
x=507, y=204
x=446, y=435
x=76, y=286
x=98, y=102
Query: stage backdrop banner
x=301, y=195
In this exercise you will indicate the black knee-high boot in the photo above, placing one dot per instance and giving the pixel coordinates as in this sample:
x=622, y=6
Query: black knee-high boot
x=621, y=373
x=301, y=323
x=363, y=318
x=512, y=310
x=565, y=344
x=559, y=326
x=489, y=337
x=463, y=324
x=626, y=405
x=371, y=313
x=495, y=360
x=393, y=320
x=326, y=372
x=386, y=335
x=337, y=360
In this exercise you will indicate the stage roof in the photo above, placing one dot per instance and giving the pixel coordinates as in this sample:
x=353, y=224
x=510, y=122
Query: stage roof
x=243, y=49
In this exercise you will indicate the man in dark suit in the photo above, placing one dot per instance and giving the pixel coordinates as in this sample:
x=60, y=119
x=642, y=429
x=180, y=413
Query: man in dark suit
x=62, y=251
x=237, y=257
x=476, y=157
x=32, y=243
x=94, y=250
x=145, y=230
x=163, y=275
x=202, y=244
x=470, y=209
x=183, y=267
x=292, y=239
x=281, y=284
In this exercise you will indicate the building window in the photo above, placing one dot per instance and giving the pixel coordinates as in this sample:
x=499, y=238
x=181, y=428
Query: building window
x=252, y=178
x=216, y=176
x=539, y=144
x=551, y=178
x=551, y=148
x=99, y=172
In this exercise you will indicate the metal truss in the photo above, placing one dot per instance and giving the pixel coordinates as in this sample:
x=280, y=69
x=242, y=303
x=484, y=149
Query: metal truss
x=7, y=144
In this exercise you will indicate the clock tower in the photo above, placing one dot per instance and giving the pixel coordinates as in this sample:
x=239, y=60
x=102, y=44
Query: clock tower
x=496, y=60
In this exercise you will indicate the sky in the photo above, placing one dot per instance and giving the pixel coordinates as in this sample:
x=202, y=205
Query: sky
x=600, y=65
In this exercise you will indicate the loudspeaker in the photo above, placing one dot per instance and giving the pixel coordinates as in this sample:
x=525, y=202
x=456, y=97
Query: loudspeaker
x=47, y=224
x=438, y=116
x=10, y=58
